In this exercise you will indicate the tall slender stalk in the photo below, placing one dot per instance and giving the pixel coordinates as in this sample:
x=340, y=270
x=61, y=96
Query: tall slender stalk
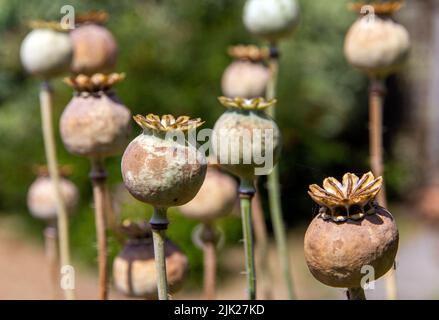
x=376, y=97
x=274, y=189
x=208, y=238
x=52, y=164
x=50, y=239
x=98, y=176
x=356, y=294
x=159, y=224
x=261, y=238
x=246, y=193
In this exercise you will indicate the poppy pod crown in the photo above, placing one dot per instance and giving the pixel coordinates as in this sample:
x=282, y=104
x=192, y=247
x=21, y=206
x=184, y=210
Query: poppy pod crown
x=95, y=16
x=43, y=24
x=95, y=83
x=167, y=122
x=247, y=104
x=249, y=52
x=350, y=199
x=384, y=8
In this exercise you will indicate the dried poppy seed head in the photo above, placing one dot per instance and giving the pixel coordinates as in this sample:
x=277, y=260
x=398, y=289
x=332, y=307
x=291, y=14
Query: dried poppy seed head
x=94, y=47
x=134, y=271
x=377, y=45
x=350, y=199
x=216, y=198
x=46, y=51
x=338, y=250
x=159, y=170
x=271, y=19
x=95, y=123
x=243, y=133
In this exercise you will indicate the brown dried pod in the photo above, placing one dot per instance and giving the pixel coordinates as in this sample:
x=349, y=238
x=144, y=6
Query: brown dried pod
x=41, y=199
x=244, y=137
x=159, y=170
x=350, y=232
x=95, y=123
x=94, y=49
x=377, y=45
x=134, y=270
x=216, y=198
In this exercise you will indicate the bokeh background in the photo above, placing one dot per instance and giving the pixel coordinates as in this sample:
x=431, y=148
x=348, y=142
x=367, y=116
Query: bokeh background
x=173, y=53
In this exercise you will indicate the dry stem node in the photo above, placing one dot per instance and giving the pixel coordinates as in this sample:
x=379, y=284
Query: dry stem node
x=351, y=199
x=167, y=122
x=380, y=7
x=247, y=104
x=249, y=52
x=98, y=82
x=95, y=16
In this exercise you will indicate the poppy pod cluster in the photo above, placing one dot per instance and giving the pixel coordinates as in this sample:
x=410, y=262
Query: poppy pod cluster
x=350, y=232
x=247, y=76
x=95, y=123
x=46, y=51
x=375, y=43
x=243, y=133
x=159, y=170
x=134, y=271
x=271, y=19
x=94, y=47
x=41, y=199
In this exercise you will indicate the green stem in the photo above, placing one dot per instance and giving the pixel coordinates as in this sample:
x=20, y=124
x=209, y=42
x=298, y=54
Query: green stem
x=356, y=294
x=274, y=192
x=159, y=223
x=245, y=197
x=52, y=164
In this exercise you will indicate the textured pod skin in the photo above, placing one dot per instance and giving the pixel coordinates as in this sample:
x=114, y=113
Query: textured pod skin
x=46, y=53
x=271, y=19
x=41, y=197
x=134, y=272
x=94, y=49
x=95, y=125
x=377, y=46
x=245, y=79
x=336, y=252
x=216, y=198
x=229, y=130
x=156, y=170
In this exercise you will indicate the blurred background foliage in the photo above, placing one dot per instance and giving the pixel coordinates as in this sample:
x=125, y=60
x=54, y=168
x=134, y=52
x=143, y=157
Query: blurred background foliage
x=173, y=53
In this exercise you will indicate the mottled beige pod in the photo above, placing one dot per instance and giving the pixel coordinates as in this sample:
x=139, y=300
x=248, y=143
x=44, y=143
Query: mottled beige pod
x=240, y=136
x=95, y=123
x=245, y=79
x=94, y=49
x=351, y=237
x=160, y=171
x=271, y=19
x=46, y=52
x=41, y=197
x=216, y=198
x=134, y=270
x=377, y=45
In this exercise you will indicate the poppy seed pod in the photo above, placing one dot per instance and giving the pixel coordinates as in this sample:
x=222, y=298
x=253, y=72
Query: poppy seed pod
x=134, y=272
x=158, y=170
x=245, y=138
x=46, y=51
x=350, y=232
x=377, y=45
x=41, y=199
x=271, y=19
x=216, y=198
x=94, y=49
x=95, y=123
